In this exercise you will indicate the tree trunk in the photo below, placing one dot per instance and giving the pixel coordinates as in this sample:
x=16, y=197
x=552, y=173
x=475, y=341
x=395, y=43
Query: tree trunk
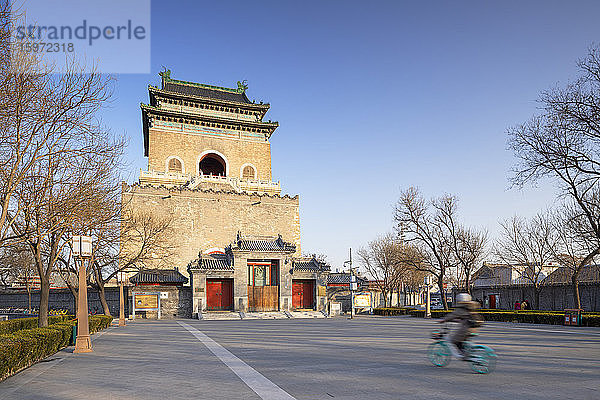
x=536, y=294
x=442, y=294
x=103, y=299
x=101, y=292
x=44, y=298
x=575, y=285
x=28, y=287
x=75, y=295
x=467, y=285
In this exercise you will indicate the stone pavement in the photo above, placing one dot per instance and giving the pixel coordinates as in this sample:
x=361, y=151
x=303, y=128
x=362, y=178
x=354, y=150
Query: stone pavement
x=364, y=358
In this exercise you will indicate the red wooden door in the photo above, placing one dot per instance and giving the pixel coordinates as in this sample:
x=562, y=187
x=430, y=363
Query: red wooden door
x=303, y=293
x=296, y=294
x=308, y=294
x=492, y=301
x=219, y=294
x=227, y=294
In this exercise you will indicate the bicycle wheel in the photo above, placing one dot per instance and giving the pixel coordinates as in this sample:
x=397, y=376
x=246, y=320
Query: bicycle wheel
x=439, y=354
x=483, y=359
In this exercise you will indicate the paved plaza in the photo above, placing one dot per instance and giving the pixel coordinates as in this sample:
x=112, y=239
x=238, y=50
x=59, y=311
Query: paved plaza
x=364, y=358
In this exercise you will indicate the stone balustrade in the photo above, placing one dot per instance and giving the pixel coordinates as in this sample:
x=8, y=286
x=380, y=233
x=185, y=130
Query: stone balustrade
x=240, y=185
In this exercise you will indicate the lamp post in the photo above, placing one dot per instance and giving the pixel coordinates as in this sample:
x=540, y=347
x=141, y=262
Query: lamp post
x=82, y=248
x=428, y=301
x=121, y=301
x=352, y=284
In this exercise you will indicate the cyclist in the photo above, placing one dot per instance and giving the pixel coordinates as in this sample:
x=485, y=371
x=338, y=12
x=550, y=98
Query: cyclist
x=465, y=314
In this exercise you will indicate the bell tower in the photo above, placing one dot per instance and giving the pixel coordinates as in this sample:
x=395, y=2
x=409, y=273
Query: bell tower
x=207, y=136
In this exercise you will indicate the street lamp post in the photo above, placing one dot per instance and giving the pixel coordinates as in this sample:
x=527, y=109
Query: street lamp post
x=82, y=248
x=428, y=301
x=352, y=284
x=121, y=301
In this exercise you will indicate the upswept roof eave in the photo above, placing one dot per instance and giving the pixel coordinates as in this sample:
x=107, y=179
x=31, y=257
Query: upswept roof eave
x=260, y=124
x=258, y=106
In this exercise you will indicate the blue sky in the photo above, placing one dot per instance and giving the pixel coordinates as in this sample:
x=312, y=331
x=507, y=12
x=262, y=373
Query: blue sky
x=373, y=97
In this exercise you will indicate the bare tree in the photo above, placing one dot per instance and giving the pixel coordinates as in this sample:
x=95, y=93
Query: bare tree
x=577, y=246
x=425, y=226
x=470, y=249
x=50, y=201
x=17, y=266
x=127, y=239
x=563, y=143
x=528, y=247
x=381, y=259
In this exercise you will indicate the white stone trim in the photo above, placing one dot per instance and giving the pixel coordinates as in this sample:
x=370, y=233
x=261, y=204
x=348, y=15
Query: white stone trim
x=212, y=152
x=180, y=160
x=214, y=250
x=248, y=165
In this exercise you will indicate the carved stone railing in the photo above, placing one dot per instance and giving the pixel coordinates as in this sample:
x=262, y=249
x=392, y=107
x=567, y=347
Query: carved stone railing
x=237, y=184
x=163, y=178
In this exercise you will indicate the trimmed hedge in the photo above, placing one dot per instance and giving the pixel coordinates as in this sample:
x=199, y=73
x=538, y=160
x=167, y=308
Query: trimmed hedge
x=99, y=322
x=19, y=324
x=20, y=349
x=526, y=316
x=392, y=311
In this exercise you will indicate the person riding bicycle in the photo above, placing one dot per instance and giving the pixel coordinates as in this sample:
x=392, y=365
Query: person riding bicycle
x=466, y=314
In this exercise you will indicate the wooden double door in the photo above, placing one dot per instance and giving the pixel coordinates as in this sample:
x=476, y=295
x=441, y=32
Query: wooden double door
x=263, y=285
x=303, y=293
x=219, y=294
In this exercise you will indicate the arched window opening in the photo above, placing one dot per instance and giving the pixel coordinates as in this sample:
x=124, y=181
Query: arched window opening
x=175, y=165
x=212, y=164
x=248, y=172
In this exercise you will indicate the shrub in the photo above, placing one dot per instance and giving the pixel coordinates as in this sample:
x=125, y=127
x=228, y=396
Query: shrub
x=21, y=349
x=18, y=324
x=526, y=316
x=391, y=311
x=25, y=347
x=99, y=322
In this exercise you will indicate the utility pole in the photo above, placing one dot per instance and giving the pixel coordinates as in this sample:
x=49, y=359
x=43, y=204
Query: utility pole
x=352, y=280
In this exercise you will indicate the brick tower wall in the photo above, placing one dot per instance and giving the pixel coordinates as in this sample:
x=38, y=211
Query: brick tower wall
x=205, y=219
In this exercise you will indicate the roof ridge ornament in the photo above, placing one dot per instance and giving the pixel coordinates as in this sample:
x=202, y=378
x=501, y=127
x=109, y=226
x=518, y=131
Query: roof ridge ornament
x=242, y=86
x=165, y=74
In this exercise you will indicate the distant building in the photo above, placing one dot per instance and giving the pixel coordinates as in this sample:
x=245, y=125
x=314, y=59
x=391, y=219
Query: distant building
x=504, y=274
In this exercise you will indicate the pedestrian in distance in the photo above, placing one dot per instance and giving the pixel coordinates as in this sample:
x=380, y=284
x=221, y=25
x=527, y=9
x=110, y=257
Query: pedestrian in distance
x=517, y=305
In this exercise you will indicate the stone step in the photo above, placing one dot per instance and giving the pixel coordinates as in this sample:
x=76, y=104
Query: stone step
x=216, y=316
x=266, y=315
x=307, y=314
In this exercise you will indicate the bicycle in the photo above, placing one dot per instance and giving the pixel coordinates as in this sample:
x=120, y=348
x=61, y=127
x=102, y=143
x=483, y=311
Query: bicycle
x=482, y=358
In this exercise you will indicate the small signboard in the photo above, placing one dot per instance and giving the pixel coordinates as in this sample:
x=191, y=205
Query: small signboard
x=145, y=301
x=362, y=300
x=322, y=291
x=164, y=295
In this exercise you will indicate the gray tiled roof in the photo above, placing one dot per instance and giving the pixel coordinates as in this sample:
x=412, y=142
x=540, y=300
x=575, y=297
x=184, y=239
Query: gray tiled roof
x=589, y=273
x=158, y=276
x=196, y=90
x=276, y=245
x=212, y=262
x=309, y=264
x=342, y=278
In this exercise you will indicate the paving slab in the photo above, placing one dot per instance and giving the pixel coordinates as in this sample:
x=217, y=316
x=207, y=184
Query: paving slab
x=336, y=358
